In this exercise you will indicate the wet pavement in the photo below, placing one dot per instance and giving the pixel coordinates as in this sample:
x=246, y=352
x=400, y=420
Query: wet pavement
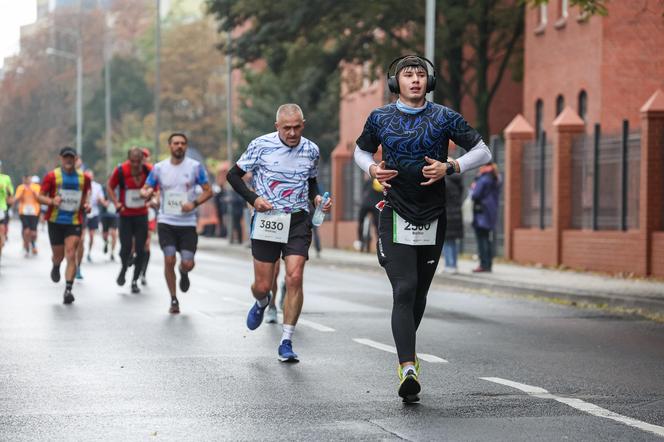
x=117, y=366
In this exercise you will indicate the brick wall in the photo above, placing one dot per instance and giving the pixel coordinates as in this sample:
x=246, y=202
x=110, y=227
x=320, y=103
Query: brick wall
x=533, y=246
x=657, y=265
x=613, y=251
x=639, y=251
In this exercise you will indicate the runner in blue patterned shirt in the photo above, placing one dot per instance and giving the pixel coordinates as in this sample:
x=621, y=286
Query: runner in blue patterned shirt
x=284, y=166
x=414, y=134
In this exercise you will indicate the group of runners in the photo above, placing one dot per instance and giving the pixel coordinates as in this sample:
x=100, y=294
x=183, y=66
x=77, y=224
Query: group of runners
x=414, y=134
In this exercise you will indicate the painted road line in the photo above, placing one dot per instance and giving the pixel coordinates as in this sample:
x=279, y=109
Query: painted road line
x=581, y=405
x=315, y=325
x=301, y=321
x=390, y=349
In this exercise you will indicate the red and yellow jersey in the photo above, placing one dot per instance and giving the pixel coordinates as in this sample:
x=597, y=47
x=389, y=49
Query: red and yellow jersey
x=73, y=189
x=26, y=196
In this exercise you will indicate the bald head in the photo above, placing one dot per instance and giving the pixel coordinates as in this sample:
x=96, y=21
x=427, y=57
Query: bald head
x=288, y=110
x=135, y=157
x=290, y=124
x=134, y=152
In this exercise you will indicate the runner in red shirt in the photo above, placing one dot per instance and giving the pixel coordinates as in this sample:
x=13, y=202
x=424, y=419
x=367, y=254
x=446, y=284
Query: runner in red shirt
x=130, y=177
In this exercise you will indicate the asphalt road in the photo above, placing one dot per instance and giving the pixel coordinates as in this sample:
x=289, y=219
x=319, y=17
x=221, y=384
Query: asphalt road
x=117, y=366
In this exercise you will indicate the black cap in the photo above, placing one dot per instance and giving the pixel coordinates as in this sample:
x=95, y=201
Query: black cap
x=67, y=150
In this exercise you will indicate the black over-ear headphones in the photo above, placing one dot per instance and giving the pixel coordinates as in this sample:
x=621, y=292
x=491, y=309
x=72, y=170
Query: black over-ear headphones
x=393, y=82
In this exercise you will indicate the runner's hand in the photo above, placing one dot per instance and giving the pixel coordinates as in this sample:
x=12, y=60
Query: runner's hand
x=147, y=193
x=188, y=207
x=262, y=205
x=87, y=207
x=326, y=207
x=57, y=200
x=381, y=174
x=434, y=171
x=119, y=206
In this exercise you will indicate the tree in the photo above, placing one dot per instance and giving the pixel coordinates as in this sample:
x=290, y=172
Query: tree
x=129, y=95
x=193, y=84
x=265, y=90
x=475, y=37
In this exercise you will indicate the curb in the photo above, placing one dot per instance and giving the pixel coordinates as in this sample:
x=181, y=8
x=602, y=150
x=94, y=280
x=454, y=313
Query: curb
x=646, y=305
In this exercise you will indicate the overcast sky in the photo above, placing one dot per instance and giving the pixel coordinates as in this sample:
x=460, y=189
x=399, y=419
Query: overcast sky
x=14, y=14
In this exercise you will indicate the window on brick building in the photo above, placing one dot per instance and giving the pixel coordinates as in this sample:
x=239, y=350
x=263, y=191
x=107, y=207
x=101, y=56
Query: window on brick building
x=583, y=104
x=541, y=17
x=563, y=8
x=539, y=117
x=560, y=104
x=563, y=12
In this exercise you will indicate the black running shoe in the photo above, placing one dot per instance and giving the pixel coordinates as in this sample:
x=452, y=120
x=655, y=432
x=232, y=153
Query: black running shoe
x=121, y=278
x=175, y=307
x=134, y=287
x=184, y=281
x=143, y=280
x=105, y=247
x=68, y=297
x=409, y=388
x=55, y=274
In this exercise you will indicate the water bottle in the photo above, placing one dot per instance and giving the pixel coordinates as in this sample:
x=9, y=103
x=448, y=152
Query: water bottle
x=319, y=216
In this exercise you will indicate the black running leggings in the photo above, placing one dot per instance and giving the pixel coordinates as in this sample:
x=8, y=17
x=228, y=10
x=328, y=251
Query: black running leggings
x=410, y=270
x=133, y=231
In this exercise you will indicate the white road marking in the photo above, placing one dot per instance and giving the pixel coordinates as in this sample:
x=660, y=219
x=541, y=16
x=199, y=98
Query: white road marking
x=315, y=325
x=580, y=405
x=390, y=349
x=305, y=322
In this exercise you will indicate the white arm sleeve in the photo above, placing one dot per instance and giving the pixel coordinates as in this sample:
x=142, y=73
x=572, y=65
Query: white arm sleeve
x=475, y=157
x=363, y=159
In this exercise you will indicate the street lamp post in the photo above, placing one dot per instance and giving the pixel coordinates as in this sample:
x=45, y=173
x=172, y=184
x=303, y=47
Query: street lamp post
x=430, y=35
x=157, y=80
x=78, y=58
x=229, y=105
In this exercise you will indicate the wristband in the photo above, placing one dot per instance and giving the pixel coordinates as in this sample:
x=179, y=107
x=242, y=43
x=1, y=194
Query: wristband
x=196, y=203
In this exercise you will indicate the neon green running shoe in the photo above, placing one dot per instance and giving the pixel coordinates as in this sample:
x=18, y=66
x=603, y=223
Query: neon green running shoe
x=409, y=386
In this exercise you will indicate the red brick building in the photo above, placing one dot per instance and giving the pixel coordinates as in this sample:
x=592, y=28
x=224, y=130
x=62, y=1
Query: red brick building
x=599, y=194
x=617, y=61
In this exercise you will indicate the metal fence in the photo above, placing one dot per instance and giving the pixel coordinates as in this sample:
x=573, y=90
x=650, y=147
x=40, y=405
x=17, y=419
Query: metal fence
x=352, y=177
x=536, y=185
x=605, y=180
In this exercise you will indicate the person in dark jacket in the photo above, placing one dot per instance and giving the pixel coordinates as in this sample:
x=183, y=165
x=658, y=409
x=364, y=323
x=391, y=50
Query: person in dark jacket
x=485, y=193
x=454, y=232
x=372, y=194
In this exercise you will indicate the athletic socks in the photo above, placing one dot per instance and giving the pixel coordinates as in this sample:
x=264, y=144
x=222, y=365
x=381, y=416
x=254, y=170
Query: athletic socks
x=69, y=285
x=408, y=367
x=287, y=333
x=263, y=302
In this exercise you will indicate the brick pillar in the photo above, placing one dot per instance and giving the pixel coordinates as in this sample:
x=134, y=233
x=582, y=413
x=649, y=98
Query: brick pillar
x=565, y=127
x=341, y=155
x=516, y=133
x=651, y=204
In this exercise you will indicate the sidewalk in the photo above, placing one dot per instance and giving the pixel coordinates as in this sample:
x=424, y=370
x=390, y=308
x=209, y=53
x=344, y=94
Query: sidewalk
x=642, y=296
